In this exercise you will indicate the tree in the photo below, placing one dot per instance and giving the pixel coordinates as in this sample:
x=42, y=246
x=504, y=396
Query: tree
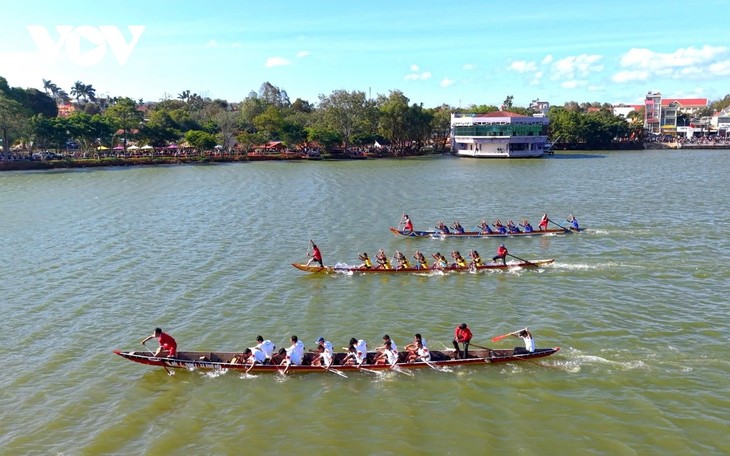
x=347, y=114
x=200, y=140
x=80, y=90
x=125, y=117
x=13, y=121
x=507, y=105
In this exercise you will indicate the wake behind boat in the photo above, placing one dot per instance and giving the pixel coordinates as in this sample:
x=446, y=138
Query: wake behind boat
x=411, y=270
x=206, y=360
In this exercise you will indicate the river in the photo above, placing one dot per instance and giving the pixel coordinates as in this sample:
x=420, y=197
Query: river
x=94, y=260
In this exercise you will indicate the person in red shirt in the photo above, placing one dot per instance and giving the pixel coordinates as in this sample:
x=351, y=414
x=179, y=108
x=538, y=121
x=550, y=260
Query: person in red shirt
x=462, y=335
x=543, y=226
x=167, y=343
x=316, y=255
x=501, y=254
x=408, y=223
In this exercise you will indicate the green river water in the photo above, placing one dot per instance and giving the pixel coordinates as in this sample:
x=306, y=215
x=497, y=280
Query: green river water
x=93, y=260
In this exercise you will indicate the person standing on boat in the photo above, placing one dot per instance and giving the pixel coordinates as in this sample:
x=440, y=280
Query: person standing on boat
x=525, y=335
x=316, y=255
x=408, y=224
x=462, y=335
x=502, y=253
x=573, y=223
x=543, y=226
x=166, y=341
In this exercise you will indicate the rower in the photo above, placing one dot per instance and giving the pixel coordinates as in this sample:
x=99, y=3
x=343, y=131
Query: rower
x=525, y=335
x=166, y=341
x=367, y=264
x=267, y=347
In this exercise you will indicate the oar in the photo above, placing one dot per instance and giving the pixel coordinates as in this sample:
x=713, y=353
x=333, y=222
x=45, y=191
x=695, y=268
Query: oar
x=397, y=368
x=558, y=224
x=335, y=371
x=153, y=354
x=523, y=260
x=498, y=338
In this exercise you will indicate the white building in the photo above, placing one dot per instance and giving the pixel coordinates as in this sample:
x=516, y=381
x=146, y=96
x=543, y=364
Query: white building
x=499, y=134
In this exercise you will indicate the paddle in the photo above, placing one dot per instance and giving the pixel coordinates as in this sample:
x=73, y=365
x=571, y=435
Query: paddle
x=558, y=224
x=397, y=368
x=523, y=260
x=498, y=338
x=153, y=354
x=334, y=371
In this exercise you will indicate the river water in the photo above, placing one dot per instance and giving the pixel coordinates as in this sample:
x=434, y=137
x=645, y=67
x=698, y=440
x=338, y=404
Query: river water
x=93, y=260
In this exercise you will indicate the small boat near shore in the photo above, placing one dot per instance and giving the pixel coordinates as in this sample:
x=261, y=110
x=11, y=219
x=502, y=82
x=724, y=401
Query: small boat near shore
x=217, y=361
x=373, y=270
x=436, y=234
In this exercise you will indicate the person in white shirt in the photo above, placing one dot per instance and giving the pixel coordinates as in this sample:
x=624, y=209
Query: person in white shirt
x=326, y=353
x=526, y=335
x=294, y=354
x=413, y=346
x=357, y=352
x=266, y=347
x=421, y=353
x=389, y=356
x=382, y=349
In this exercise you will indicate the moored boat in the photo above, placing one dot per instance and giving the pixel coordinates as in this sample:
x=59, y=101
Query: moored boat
x=436, y=234
x=206, y=360
x=373, y=270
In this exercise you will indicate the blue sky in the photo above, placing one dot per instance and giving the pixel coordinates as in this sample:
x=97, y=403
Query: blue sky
x=459, y=53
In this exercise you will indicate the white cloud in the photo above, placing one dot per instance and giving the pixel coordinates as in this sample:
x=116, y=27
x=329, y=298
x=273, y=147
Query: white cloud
x=415, y=76
x=628, y=76
x=683, y=63
x=573, y=84
x=302, y=54
x=547, y=59
x=211, y=44
x=276, y=61
x=446, y=82
x=523, y=66
x=576, y=66
x=468, y=66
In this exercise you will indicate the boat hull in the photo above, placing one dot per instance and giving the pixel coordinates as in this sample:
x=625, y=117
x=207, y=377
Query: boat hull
x=433, y=234
x=491, y=266
x=199, y=360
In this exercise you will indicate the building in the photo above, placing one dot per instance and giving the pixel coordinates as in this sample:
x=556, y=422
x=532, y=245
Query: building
x=499, y=134
x=662, y=114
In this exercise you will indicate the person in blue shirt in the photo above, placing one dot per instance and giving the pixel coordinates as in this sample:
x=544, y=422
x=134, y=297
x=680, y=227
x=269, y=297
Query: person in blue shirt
x=526, y=225
x=573, y=223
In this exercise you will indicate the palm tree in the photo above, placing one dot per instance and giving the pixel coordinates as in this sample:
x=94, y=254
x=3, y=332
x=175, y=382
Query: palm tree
x=47, y=84
x=81, y=90
x=184, y=95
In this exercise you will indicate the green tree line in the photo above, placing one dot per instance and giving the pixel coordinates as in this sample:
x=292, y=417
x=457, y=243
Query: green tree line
x=335, y=123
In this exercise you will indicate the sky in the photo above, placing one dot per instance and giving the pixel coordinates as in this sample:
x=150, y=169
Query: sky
x=435, y=52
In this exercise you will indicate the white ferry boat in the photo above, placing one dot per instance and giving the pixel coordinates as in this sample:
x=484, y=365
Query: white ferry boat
x=499, y=134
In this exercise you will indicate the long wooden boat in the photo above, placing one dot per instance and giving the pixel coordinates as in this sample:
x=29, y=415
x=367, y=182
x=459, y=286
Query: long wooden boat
x=485, y=267
x=436, y=234
x=205, y=360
